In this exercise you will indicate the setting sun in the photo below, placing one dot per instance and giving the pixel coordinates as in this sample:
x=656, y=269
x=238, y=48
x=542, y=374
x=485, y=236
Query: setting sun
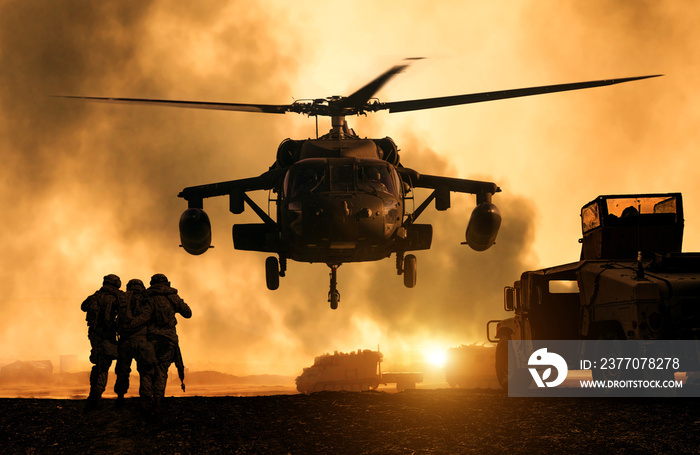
x=436, y=357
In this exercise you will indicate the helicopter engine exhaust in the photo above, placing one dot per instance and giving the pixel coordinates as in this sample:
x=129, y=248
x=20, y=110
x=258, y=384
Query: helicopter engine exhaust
x=195, y=231
x=483, y=226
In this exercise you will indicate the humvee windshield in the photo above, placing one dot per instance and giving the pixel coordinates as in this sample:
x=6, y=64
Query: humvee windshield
x=622, y=207
x=618, y=210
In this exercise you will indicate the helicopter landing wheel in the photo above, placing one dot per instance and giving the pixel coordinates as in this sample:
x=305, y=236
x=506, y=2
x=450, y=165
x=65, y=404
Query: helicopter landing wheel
x=272, y=273
x=334, y=298
x=409, y=270
x=333, y=294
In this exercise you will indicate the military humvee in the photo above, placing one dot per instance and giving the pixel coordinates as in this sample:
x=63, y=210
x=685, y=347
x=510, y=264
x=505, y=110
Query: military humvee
x=354, y=371
x=632, y=281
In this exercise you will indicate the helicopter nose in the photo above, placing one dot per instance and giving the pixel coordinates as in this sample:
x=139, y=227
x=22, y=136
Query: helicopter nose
x=340, y=209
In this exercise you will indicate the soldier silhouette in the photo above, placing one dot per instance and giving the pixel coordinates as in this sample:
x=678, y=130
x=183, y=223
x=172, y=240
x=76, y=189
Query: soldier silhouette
x=162, y=332
x=134, y=311
x=101, y=314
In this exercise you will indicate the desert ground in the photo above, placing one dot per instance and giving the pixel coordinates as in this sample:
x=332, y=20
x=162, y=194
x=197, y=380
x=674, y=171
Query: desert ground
x=432, y=421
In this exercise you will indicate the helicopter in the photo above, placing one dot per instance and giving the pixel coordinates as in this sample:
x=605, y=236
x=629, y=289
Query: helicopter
x=341, y=198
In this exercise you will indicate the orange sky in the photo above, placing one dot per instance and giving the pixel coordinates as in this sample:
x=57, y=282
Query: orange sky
x=91, y=189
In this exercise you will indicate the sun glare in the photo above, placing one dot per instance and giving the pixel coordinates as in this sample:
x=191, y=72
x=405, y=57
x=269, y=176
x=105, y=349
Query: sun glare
x=436, y=357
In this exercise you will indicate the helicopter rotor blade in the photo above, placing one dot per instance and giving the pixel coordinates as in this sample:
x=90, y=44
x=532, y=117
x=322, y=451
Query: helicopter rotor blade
x=357, y=103
x=360, y=97
x=430, y=103
x=263, y=108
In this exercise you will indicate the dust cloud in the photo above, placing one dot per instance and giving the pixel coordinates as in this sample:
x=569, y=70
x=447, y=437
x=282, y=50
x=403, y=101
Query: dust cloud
x=636, y=137
x=89, y=189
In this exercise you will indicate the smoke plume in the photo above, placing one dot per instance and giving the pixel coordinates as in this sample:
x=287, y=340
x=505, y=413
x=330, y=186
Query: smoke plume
x=90, y=189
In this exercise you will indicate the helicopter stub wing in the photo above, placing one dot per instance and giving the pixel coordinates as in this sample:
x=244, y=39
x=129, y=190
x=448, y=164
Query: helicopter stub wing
x=437, y=182
x=430, y=103
x=195, y=228
x=485, y=219
x=266, y=181
x=456, y=185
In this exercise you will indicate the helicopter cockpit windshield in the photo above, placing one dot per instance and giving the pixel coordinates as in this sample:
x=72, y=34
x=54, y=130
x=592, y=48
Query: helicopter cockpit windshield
x=375, y=178
x=323, y=176
x=306, y=178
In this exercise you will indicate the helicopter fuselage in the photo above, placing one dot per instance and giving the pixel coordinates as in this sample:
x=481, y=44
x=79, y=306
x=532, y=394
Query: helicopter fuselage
x=344, y=209
x=341, y=198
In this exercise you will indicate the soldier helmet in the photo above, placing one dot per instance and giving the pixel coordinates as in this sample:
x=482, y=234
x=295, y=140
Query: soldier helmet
x=159, y=278
x=112, y=280
x=134, y=285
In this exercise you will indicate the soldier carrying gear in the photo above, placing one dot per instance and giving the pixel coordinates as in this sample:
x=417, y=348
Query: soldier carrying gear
x=134, y=311
x=162, y=332
x=101, y=315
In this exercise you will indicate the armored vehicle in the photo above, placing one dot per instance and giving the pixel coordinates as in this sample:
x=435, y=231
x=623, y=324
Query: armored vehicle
x=470, y=366
x=632, y=281
x=355, y=371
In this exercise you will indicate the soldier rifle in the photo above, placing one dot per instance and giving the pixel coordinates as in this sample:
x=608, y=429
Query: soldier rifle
x=180, y=366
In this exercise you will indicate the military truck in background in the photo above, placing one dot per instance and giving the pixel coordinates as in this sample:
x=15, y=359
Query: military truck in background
x=354, y=371
x=470, y=366
x=632, y=281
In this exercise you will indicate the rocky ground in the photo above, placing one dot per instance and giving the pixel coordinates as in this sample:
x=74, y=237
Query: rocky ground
x=442, y=421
